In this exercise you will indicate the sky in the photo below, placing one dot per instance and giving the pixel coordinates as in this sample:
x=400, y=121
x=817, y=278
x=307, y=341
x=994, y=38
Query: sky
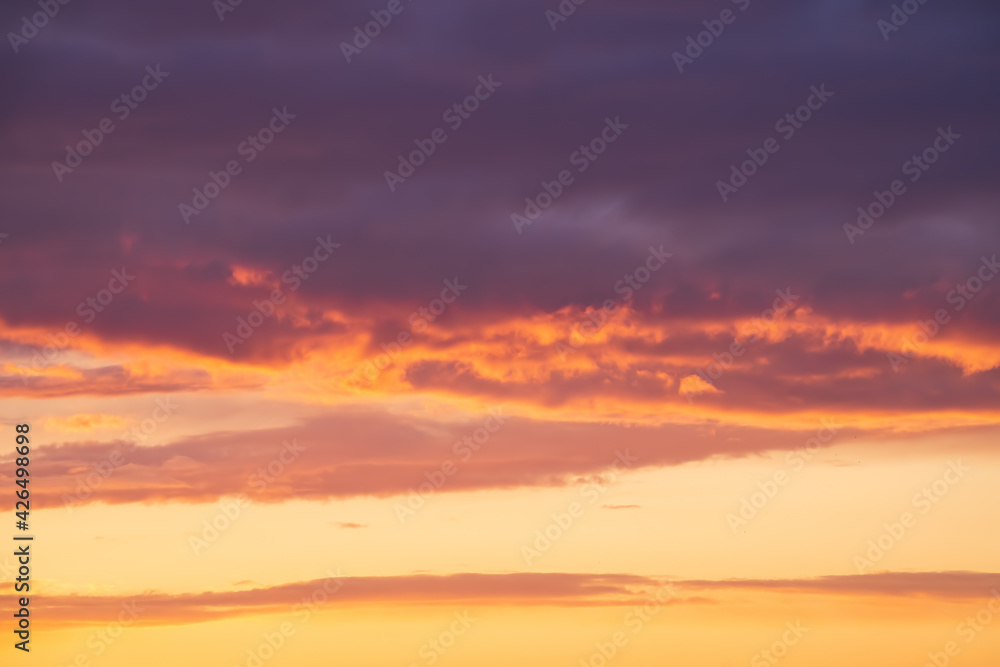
x=445, y=333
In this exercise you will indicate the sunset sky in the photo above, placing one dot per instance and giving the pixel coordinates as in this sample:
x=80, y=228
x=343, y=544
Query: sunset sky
x=486, y=333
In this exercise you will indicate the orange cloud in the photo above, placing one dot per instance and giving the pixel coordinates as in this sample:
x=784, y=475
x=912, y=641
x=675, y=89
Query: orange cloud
x=517, y=589
x=84, y=422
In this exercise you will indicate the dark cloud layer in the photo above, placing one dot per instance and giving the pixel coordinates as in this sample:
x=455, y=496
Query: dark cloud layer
x=655, y=185
x=324, y=175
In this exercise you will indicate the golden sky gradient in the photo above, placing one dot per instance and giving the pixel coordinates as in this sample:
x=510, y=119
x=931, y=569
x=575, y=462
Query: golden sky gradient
x=462, y=334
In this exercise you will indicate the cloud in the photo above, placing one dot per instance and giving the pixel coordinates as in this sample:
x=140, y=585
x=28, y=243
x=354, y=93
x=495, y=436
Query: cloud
x=324, y=175
x=523, y=589
x=84, y=422
x=943, y=585
x=379, y=453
